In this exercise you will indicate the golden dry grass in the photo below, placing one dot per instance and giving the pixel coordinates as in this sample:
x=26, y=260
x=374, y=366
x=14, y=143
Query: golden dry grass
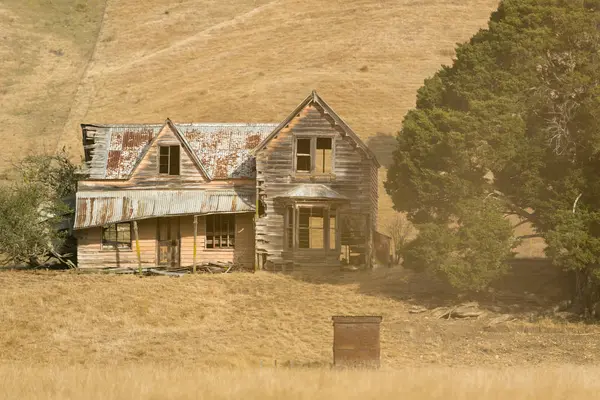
x=241, y=320
x=174, y=382
x=46, y=46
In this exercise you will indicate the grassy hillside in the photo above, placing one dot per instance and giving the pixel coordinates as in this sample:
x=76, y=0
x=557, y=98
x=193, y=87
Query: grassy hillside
x=208, y=60
x=46, y=46
x=241, y=319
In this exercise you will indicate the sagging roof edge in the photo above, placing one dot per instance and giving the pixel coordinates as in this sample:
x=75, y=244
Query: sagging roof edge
x=316, y=99
x=164, y=216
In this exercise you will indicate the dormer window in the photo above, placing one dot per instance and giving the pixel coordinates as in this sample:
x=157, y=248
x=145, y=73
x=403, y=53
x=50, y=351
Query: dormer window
x=314, y=154
x=168, y=162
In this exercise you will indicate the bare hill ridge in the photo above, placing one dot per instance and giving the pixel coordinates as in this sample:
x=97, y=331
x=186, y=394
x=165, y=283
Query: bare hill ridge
x=207, y=60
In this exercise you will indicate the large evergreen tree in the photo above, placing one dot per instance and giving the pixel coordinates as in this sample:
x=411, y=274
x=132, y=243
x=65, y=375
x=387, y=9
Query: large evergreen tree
x=512, y=127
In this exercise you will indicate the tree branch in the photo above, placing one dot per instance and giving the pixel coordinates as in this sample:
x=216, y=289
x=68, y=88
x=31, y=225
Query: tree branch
x=576, y=200
x=533, y=235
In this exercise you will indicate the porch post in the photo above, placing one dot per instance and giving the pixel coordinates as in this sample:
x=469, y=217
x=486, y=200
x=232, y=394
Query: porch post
x=137, y=246
x=195, y=239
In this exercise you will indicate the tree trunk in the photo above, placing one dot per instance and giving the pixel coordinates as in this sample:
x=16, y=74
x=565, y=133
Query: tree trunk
x=587, y=292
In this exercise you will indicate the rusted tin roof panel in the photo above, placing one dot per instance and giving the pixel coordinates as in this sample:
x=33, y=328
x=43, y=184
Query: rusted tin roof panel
x=224, y=149
x=315, y=191
x=103, y=208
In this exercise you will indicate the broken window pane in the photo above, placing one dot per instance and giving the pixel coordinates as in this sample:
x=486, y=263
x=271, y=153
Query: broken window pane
x=332, y=230
x=324, y=156
x=117, y=236
x=311, y=228
x=317, y=229
x=174, y=160
x=220, y=231
x=303, y=158
x=289, y=228
x=163, y=160
x=168, y=162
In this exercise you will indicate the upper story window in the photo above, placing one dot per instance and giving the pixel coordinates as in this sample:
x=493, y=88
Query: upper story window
x=314, y=155
x=168, y=162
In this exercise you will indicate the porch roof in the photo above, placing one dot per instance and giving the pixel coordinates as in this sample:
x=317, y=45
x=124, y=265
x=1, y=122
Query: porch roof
x=96, y=208
x=313, y=191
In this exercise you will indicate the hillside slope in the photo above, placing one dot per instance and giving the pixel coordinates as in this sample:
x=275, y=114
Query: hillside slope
x=242, y=319
x=209, y=60
x=46, y=46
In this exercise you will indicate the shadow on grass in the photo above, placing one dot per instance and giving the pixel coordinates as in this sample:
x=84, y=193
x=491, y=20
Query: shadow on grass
x=531, y=285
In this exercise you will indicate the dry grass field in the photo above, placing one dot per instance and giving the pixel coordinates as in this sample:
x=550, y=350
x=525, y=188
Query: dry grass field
x=242, y=319
x=68, y=335
x=176, y=382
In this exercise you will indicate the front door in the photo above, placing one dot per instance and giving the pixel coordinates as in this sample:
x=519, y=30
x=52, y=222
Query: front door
x=168, y=242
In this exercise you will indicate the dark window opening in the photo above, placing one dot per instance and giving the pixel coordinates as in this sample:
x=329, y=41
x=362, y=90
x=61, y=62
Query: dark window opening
x=303, y=155
x=220, y=231
x=117, y=236
x=168, y=162
x=289, y=228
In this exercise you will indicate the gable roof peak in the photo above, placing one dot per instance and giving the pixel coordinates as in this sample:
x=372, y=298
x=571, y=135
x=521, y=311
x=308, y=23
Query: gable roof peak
x=336, y=121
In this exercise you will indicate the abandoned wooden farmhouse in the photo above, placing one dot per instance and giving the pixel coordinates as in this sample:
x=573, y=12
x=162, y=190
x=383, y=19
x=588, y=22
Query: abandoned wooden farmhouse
x=302, y=192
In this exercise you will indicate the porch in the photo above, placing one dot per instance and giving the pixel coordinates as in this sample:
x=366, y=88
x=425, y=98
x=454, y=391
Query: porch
x=169, y=242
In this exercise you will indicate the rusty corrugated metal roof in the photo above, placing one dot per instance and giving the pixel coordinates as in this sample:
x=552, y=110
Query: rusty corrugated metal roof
x=312, y=191
x=224, y=149
x=97, y=208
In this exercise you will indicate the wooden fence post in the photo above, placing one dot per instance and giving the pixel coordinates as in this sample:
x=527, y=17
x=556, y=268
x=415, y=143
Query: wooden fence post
x=195, y=239
x=137, y=246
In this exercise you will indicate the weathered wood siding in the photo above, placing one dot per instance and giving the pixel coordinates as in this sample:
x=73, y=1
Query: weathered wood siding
x=91, y=255
x=242, y=254
x=354, y=176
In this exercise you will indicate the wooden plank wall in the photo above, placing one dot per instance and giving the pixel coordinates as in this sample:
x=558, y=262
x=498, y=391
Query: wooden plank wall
x=242, y=254
x=355, y=177
x=91, y=255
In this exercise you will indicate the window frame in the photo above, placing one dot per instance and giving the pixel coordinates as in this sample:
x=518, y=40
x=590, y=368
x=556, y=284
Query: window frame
x=115, y=247
x=313, y=155
x=329, y=212
x=169, y=165
x=220, y=235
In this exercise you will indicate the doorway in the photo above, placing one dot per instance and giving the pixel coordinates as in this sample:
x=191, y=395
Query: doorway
x=168, y=242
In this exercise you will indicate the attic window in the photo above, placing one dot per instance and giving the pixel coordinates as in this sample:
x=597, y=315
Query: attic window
x=168, y=160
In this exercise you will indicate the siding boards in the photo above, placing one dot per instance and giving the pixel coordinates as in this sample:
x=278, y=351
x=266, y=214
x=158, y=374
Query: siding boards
x=242, y=254
x=146, y=173
x=355, y=177
x=91, y=255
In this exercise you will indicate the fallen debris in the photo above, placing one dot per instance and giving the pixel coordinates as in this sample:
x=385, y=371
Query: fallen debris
x=467, y=310
x=501, y=319
x=417, y=309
